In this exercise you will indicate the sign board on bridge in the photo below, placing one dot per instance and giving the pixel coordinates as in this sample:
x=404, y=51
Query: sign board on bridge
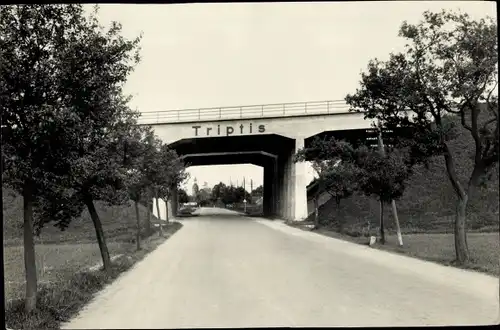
x=372, y=137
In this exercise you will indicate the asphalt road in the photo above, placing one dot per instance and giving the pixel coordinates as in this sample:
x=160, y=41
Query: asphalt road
x=230, y=271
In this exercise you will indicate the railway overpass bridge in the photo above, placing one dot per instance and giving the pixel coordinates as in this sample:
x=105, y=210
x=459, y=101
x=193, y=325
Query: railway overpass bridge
x=266, y=135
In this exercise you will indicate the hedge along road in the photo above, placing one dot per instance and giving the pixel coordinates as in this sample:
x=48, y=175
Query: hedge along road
x=226, y=270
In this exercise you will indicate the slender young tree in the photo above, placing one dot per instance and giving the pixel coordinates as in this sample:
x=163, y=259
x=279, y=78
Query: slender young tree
x=383, y=176
x=381, y=149
x=325, y=156
x=98, y=63
x=152, y=169
x=174, y=174
x=136, y=161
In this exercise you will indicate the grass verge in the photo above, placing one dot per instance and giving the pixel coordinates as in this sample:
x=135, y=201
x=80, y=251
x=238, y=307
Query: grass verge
x=71, y=286
x=436, y=247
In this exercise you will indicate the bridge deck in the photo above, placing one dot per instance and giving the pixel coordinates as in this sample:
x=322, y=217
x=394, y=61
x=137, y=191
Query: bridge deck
x=245, y=112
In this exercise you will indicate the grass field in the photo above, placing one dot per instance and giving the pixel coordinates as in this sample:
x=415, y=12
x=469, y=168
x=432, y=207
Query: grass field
x=63, y=259
x=484, y=247
x=54, y=263
x=67, y=286
x=118, y=223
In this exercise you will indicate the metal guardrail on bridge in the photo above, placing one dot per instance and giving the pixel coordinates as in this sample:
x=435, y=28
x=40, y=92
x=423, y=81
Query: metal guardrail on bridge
x=245, y=112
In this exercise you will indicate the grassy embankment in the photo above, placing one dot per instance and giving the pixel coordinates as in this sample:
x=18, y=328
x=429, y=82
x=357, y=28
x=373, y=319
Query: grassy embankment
x=64, y=258
x=426, y=214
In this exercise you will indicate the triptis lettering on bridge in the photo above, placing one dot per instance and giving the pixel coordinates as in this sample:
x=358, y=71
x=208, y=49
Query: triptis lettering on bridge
x=228, y=130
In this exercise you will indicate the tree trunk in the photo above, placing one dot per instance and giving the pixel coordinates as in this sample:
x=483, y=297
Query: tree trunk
x=316, y=212
x=166, y=210
x=396, y=219
x=138, y=229
x=382, y=232
x=160, y=232
x=101, y=240
x=149, y=206
x=29, y=250
x=341, y=221
x=368, y=226
x=461, y=248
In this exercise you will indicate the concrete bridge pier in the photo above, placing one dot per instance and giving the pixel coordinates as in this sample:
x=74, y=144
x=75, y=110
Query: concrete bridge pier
x=291, y=192
x=299, y=185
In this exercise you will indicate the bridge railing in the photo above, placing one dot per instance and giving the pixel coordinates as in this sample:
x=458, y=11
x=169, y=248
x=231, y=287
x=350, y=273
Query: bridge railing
x=245, y=112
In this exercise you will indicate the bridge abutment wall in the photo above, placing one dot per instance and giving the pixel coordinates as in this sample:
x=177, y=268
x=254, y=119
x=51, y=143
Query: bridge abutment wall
x=291, y=185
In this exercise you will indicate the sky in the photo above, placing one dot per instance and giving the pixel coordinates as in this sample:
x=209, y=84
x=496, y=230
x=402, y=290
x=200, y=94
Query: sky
x=210, y=55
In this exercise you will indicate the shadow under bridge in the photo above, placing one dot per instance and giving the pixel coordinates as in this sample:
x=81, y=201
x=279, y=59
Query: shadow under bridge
x=272, y=152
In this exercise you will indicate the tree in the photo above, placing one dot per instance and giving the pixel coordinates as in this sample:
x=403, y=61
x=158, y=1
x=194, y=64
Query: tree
x=174, y=174
x=340, y=181
x=218, y=192
x=58, y=205
x=229, y=195
x=325, y=155
x=154, y=177
x=135, y=191
x=449, y=68
x=61, y=79
x=149, y=173
x=408, y=169
x=204, y=196
x=137, y=162
x=96, y=66
x=165, y=175
x=382, y=176
x=259, y=191
x=183, y=196
x=99, y=174
x=35, y=109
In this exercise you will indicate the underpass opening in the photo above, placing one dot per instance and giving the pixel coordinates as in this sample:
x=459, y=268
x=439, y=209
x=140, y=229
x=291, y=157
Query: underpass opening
x=238, y=183
x=272, y=152
x=226, y=188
